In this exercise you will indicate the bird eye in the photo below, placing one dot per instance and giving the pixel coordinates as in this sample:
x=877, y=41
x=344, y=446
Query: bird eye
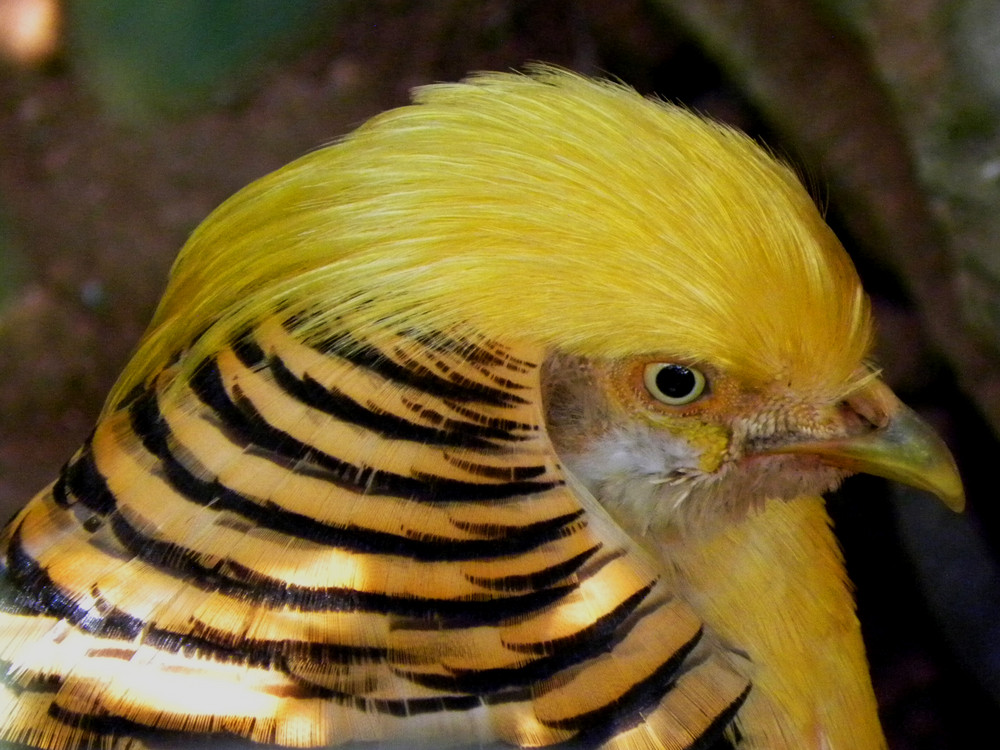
x=673, y=384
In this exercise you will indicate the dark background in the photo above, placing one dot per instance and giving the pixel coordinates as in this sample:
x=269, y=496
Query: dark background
x=127, y=122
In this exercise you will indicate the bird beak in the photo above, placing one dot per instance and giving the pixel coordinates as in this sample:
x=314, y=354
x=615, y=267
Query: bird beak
x=899, y=446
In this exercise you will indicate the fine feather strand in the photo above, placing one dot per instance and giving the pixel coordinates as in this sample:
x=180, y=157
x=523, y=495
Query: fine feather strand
x=546, y=208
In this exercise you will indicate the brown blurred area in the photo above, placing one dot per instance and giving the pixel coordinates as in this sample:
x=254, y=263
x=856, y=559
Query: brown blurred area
x=99, y=190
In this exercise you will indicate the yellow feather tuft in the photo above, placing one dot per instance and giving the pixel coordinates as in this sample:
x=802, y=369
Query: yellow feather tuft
x=546, y=208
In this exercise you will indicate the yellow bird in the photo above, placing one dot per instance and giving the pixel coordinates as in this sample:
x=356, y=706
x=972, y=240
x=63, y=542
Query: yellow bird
x=502, y=422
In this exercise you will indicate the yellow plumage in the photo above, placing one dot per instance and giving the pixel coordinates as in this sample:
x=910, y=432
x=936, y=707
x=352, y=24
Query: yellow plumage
x=499, y=421
x=680, y=234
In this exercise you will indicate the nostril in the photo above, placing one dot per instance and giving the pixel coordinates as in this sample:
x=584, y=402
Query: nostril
x=852, y=421
x=867, y=409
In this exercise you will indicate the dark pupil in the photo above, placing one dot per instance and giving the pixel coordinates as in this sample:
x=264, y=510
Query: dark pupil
x=675, y=381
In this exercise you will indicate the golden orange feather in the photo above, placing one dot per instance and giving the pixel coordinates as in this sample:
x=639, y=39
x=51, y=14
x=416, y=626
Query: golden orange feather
x=501, y=421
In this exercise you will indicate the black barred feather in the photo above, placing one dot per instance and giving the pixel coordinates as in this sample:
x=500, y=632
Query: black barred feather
x=310, y=545
x=393, y=465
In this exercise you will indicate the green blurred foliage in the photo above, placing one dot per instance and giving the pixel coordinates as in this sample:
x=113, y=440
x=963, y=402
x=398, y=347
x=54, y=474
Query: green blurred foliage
x=144, y=59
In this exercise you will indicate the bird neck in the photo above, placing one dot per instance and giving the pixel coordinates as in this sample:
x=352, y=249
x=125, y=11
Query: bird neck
x=811, y=687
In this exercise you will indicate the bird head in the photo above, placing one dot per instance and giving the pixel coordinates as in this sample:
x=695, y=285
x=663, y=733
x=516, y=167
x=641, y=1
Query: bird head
x=705, y=335
x=673, y=446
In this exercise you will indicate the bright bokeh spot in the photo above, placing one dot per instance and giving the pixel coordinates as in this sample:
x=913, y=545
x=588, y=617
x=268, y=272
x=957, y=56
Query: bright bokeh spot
x=29, y=30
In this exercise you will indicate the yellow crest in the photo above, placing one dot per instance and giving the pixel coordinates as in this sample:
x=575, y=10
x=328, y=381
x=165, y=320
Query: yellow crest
x=548, y=208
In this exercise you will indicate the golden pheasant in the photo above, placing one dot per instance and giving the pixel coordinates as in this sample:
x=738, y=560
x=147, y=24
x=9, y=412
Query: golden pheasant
x=501, y=422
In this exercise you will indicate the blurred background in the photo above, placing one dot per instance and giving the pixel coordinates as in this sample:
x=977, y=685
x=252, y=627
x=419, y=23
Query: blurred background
x=123, y=123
